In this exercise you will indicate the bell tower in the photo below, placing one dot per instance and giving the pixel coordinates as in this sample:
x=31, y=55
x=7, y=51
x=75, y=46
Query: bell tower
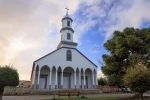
x=67, y=32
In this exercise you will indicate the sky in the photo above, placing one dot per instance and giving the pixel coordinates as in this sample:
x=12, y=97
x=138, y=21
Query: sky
x=29, y=29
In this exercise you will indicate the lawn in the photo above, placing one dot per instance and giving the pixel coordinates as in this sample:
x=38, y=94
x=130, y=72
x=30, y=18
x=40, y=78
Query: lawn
x=85, y=98
x=101, y=98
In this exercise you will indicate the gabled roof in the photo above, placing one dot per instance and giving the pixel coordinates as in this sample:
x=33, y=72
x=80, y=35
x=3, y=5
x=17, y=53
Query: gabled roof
x=55, y=51
x=47, y=54
x=68, y=48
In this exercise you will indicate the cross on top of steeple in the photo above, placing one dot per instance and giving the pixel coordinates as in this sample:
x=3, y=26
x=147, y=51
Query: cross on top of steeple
x=67, y=9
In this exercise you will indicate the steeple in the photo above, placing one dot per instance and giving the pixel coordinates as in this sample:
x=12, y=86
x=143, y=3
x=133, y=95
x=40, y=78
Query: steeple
x=67, y=32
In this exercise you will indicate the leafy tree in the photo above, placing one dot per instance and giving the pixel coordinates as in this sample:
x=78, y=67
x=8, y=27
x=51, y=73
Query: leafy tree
x=125, y=49
x=113, y=80
x=102, y=81
x=8, y=77
x=137, y=79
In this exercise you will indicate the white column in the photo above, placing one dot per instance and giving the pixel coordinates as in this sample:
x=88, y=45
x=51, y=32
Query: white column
x=38, y=79
x=79, y=80
x=96, y=80
x=75, y=79
x=84, y=78
x=56, y=80
x=62, y=80
x=93, y=79
x=50, y=78
x=33, y=79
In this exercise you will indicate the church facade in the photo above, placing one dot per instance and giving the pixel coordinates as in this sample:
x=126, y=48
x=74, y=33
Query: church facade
x=66, y=67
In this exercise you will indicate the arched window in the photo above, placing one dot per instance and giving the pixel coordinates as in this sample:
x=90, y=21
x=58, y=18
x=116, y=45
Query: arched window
x=68, y=23
x=68, y=55
x=68, y=36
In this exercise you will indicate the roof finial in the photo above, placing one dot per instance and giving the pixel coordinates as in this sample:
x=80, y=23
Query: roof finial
x=67, y=9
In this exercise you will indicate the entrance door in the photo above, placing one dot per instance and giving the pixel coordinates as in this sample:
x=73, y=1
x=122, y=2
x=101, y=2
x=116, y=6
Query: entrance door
x=82, y=82
x=65, y=82
x=42, y=83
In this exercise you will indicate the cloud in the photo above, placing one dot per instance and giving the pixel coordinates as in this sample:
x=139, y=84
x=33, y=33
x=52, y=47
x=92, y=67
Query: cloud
x=100, y=74
x=126, y=14
x=95, y=48
x=29, y=29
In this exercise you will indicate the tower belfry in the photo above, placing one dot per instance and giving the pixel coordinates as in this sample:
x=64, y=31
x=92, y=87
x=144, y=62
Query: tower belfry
x=67, y=32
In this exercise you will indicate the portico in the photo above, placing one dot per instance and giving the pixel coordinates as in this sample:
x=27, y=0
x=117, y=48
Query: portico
x=64, y=78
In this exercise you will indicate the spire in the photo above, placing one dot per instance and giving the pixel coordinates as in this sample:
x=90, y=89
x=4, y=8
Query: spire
x=67, y=32
x=67, y=12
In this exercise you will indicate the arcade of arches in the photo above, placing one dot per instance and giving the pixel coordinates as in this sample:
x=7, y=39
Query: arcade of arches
x=64, y=78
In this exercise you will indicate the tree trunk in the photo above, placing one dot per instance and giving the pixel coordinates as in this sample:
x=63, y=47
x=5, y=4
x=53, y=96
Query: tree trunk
x=1, y=92
x=141, y=96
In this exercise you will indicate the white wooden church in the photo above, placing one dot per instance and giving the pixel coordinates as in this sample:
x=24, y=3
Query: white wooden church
x=66, y=67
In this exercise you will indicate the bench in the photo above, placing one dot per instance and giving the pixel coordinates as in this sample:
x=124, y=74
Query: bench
x=71, y=93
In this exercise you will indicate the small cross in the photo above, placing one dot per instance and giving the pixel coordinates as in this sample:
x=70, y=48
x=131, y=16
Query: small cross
x=67, y=9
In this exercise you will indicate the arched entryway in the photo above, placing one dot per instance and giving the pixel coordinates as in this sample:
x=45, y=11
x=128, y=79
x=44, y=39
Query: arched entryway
x=82, y=79
x=68, y=78
x=78, y=77
x=88, y=78
x=36, y=76
x=94, y=79
x=53, y=78
x=59, y=77
x=44, y=77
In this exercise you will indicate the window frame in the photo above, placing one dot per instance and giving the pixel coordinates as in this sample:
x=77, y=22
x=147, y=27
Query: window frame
x=68, y=55
x=68, y=36
x=68, y=23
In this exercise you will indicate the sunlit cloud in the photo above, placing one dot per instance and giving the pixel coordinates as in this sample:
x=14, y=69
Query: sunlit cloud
x=29, y=29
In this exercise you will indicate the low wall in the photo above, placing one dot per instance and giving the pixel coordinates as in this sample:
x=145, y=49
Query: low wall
x=109, y=89
x=29, y=91
x=16, y=90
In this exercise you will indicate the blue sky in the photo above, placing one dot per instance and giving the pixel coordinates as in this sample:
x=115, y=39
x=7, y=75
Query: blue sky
x=29, y=29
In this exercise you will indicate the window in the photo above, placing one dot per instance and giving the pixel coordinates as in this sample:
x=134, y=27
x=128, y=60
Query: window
x=68, y=36
x=68, y=23
x=69, y=55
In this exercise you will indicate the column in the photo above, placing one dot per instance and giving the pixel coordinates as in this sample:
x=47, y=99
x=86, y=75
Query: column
x=50, y=79
x=79, y=80
x=38, y=79
x=75, y=80
x=33, y=79
x=84, y=78
x=93, y=79
x=62, y=80
x=96, y=80
x=56, y=80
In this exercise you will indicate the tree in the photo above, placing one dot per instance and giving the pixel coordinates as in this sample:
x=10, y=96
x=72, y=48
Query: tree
x=8, y=77
x=102, y=81
x=137, y=79
x=125, y=49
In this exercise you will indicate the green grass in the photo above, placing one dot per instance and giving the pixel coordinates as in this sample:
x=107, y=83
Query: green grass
x=101, y=98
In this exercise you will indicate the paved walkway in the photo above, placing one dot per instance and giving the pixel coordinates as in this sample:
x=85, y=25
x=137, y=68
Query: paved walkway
x=39, y=97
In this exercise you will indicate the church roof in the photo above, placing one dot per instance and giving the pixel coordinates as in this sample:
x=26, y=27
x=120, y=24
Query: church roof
x=67, y=17
x=67, y=28
x=66, y=42
x=69, y=48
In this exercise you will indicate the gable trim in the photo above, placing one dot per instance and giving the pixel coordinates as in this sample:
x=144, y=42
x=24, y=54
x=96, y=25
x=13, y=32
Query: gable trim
x=85, y=57
x=46, y=55
x=68, y=48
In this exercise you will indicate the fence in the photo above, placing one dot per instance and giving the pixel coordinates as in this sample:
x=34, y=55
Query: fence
x=16, y=90
x=29, y=91
x=108, y=89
